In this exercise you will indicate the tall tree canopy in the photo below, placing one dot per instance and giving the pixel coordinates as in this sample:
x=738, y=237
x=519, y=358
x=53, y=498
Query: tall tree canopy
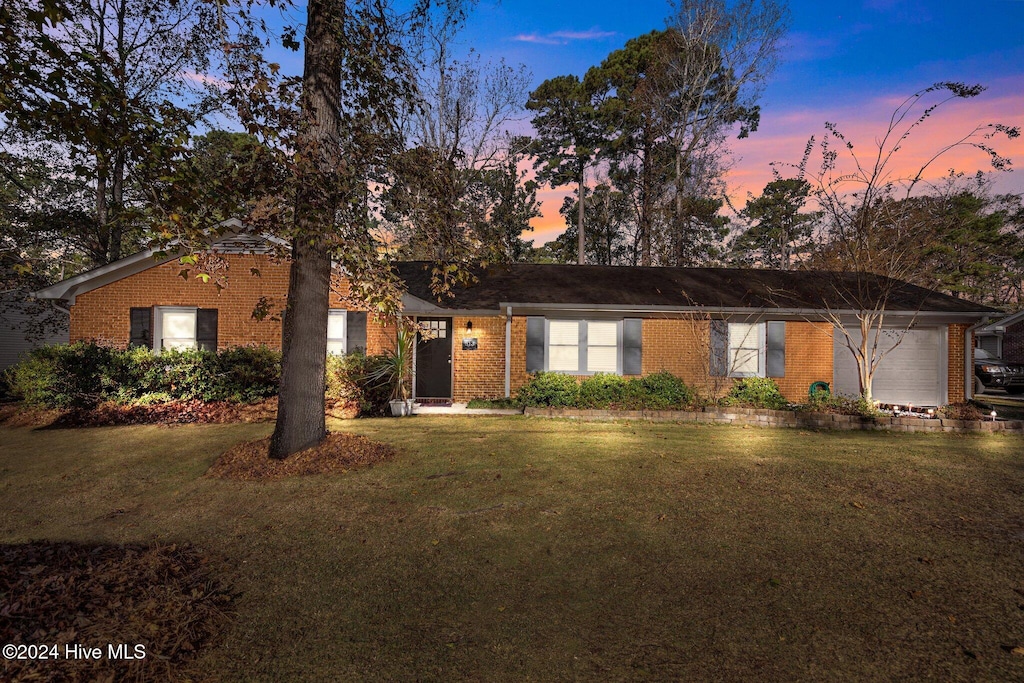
x=107, y=83
x=779, y=230
x=568, y=138
x=656, y=115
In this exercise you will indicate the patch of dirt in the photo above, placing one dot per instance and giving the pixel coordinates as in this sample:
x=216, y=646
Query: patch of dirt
x=113, y=414
x=162, y=598
x=251, y=461
x=17, y=415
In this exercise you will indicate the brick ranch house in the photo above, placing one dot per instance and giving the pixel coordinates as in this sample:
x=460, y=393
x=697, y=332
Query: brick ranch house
x=706, y=325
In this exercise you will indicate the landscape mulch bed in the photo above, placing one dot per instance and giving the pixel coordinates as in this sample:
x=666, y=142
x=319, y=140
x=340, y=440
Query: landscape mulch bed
x=178, y=412
x=163, y=598
x=337, y=453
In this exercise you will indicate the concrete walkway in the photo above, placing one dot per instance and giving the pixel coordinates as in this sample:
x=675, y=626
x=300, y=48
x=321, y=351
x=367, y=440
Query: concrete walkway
x=461, y=409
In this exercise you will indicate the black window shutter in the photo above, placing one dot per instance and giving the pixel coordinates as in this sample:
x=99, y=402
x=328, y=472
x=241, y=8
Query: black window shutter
x=776, y=356
x=534, y=344
x=719, y=348
x=206, y=329
x=141, y=327
x=355, y=332
x=632, y=346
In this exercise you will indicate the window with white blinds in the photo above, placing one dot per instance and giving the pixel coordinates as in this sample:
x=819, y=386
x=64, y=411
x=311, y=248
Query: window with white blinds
x=745, y=349
x=336, y=319
x=564, y=345
x=601, y=346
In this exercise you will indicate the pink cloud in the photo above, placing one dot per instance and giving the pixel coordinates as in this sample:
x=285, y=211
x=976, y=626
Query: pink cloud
x=782, y=139
x=204, y=79
x=783, y=135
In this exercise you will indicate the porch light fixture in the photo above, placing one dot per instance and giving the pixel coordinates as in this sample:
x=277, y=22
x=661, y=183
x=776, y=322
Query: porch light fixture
x=469, y=326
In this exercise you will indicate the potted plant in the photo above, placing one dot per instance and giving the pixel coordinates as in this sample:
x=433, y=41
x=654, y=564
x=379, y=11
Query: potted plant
x=396, y=369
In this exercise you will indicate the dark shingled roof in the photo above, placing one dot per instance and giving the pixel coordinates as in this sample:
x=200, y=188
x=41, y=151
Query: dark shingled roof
x=713, y=288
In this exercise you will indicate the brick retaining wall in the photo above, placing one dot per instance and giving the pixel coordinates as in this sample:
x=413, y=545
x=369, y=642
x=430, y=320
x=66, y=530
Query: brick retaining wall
x=787, y=418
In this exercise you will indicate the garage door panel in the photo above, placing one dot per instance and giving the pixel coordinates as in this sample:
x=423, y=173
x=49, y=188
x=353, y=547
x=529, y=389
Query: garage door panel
x=910, y=372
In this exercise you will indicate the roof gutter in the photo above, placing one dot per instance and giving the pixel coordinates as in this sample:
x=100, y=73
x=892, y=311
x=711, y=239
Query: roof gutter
x=523, y=308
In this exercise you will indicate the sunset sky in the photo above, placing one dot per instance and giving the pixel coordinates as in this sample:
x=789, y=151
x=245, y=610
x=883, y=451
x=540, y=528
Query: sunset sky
x=848, y=62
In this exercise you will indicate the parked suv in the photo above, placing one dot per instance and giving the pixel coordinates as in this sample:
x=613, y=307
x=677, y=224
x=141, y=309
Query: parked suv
x=995, y=373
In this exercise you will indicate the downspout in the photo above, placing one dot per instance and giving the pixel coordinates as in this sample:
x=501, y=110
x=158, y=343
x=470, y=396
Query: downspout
x=508, y=352
x=969, y=359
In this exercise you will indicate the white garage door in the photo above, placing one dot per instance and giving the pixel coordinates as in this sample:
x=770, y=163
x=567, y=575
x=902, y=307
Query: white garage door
x=912, y=372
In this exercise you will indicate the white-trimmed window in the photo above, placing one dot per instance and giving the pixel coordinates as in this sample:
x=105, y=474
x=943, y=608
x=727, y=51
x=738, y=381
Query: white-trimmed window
x=603, y=346
x=184, y=327
x=582, y=347
x=177, y=328
x=746, y=350
x=564, y=345
x=337, y=320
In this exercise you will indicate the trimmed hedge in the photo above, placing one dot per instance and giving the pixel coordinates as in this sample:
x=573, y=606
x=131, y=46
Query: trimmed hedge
x=83, y=374
x=757, y=392
x=659, y=391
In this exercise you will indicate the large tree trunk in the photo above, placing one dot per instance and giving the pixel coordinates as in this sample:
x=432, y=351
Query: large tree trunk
x=646, y=194
x=99, y=253
x=300, y=412
x=114, y=230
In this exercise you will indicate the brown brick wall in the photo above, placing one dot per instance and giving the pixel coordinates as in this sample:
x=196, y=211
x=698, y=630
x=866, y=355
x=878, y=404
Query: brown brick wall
x=955, y=366
x=103, y=313
x=808, y=358
x=480, y=373
x=680, y=346
x=1013, y=343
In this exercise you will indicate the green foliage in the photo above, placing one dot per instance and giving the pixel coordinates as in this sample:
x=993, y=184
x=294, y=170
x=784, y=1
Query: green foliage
x=497, y=403
x=757, y=392
x=779, y=230
x=660, y=391
x=356, y=377
x=249, y=373
x=601, y=391
x=820, y=402
x=63, y=376
x=85, y=373
x=549, y=389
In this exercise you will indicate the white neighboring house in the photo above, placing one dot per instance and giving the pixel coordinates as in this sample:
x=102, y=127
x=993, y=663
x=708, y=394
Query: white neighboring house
x=25, y=326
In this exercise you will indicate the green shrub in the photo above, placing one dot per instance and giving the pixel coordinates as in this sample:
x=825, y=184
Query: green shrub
x=842, y=405
x=84, y=373
x=549, y=389
x=601, y=391
x=63, y=376
x=659, y=391
x=758, y=392
x=352, y=378
x=248, y=374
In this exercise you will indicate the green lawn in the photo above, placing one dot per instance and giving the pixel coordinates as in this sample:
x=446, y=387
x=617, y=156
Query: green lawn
x=516, y=549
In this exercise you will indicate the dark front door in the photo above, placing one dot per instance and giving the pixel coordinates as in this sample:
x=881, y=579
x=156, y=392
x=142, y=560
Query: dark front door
x=434, y=358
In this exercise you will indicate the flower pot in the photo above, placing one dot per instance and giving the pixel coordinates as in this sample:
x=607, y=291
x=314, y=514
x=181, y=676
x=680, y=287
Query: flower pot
x=401, y=408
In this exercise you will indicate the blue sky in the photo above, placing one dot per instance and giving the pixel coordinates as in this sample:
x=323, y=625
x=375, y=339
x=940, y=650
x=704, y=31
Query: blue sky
x=847, y=62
